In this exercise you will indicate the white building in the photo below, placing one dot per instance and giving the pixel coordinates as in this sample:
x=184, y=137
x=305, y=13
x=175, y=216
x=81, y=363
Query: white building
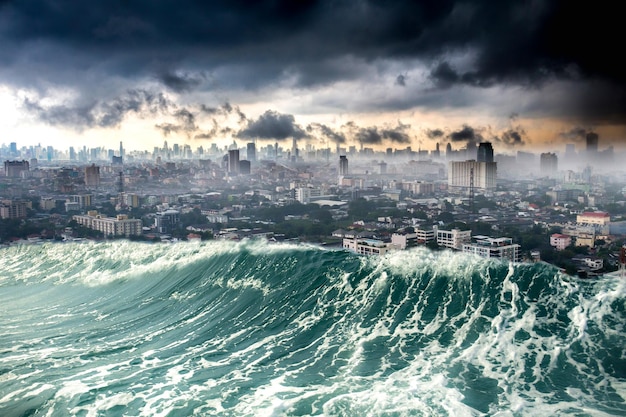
x=484, y=173
x=488, y=247
x=560, y=241
x=367, y=246
x=305, y=194
x=110, y=226
x=453, y=239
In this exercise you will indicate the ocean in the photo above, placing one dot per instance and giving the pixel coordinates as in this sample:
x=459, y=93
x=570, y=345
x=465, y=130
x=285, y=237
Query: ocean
x=251, y=328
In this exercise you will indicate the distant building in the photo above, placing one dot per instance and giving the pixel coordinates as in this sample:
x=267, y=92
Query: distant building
x=83, y=200
x=233, y=161
x=11, y=209
x=343, y=165
x=305, y=194
x=14, y=169
x=599, y=218
x=92, y=176
x=592, y=143
x=251, y=152
x=244, y=167
x=485, y=152
x=548, y=164
x=110, y=226
x=489, y=247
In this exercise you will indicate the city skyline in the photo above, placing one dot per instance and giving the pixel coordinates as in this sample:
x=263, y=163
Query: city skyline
x=524, y=77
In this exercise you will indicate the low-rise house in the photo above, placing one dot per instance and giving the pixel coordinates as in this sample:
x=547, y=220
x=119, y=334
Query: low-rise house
x=560, y=241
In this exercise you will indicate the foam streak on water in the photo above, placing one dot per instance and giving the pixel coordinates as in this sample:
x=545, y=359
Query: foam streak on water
x=258, y=329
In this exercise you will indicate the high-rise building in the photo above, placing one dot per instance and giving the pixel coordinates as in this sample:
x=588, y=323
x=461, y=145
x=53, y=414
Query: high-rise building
x=92, y=176
x=485, y=152
x=251, y=152
x=592, y=143
x=548, y=164
x=14, y=168
x=480, y=175
x=244, y=167
x=343, y=165
x=233, y=161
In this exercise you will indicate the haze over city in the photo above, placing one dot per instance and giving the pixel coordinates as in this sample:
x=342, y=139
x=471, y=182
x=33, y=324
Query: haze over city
x=525, y=76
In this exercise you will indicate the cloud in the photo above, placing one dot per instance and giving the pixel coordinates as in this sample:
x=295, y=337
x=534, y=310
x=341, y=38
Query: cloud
x=181, y=82
x=575, y=134
x=273, y=125
x=434, y=133
x=466, y=134
x=401, y=80
x=326, y=133
x=103, y=114
x=375, y=135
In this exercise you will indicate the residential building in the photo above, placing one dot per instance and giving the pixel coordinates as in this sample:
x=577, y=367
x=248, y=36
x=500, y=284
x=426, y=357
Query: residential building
x=560, y=241
x=10, y=209
x=110, y=226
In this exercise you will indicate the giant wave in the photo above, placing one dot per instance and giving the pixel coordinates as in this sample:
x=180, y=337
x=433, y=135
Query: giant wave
x=257, y=329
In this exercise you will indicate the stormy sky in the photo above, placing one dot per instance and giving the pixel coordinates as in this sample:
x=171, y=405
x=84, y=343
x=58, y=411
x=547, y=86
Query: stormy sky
x=524, y=75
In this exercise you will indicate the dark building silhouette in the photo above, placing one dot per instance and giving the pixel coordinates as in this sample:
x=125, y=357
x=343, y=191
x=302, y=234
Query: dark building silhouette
x=343, y=165
x=233, y=161
x=485, y=152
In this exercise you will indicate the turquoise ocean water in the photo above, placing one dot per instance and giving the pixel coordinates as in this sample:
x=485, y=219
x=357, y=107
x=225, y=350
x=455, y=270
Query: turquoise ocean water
x=255, y=329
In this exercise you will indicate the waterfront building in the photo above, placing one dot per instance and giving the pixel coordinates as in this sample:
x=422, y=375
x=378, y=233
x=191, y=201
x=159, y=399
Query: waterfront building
x=560, y=241
x=120, y=225
x=489, y=247
x=453, y=239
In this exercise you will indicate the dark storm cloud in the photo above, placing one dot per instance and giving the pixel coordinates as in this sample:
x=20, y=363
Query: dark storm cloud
x=512, y=137
x=224, y=110
x=434, y=133
x=258, y=43
x=401, y=80
x=326, y=133
x=375, y=135
x=575, y=134
x=273, y=125
x=100, y=113
x=466, y=134
x=180, y=83
x=443, y=76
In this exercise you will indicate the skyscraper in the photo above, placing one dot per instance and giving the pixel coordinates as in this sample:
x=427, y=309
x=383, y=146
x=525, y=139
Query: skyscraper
x=233, y=161
x=343, y=165
x=548, y=164
x=485, y=152
x=592, y=143
x=251, y=151
x=92, y=176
